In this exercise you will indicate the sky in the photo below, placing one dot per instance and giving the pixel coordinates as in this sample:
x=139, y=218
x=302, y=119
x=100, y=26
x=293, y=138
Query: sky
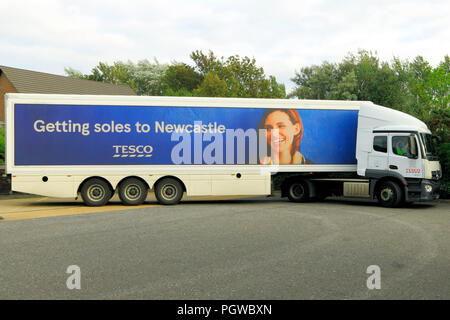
x=283, y=36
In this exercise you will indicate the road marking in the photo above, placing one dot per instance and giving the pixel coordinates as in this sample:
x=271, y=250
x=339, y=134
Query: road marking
x=65, y=211
x=43, y=207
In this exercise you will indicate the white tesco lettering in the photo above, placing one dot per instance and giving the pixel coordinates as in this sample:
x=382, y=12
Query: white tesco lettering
x=141, y=149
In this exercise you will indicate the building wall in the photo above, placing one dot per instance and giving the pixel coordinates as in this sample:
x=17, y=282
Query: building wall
x=5, y=87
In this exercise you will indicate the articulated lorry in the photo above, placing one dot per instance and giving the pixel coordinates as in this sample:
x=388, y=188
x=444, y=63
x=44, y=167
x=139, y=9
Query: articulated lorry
x=95, y=146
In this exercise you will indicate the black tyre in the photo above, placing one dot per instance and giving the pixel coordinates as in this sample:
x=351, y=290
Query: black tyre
x=132, y=192
x=389, y=194
x=298, y=191
x=169, y=191
x=96, y=192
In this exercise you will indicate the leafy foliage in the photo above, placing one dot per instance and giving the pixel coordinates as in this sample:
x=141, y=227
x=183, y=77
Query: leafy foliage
x=210, y=76
x=242, y=77
x=357, y=77
x=144, y=77
x=147, y=76
x=180, y=79
x=116, y=74
x=212, y=86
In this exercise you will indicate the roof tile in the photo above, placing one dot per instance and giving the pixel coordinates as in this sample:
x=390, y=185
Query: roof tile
x=26, y=81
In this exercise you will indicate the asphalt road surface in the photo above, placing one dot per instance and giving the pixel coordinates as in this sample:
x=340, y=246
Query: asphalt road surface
x=260, y=248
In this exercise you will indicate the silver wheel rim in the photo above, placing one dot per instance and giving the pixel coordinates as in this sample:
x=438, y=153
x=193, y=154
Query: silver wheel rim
x=169, y=192
x=96, y=192
x=133, y=192
x=386, y=194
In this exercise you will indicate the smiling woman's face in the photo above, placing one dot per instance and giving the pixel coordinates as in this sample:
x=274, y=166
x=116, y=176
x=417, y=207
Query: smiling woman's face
x=282, y=140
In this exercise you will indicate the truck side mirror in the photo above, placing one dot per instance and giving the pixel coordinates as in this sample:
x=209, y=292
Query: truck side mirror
x=412, y=147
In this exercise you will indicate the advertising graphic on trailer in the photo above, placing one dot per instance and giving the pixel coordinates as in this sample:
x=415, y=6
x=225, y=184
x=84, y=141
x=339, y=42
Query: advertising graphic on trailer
x=140, y=135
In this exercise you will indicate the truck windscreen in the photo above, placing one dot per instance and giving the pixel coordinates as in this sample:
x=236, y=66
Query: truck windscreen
x=429, y=146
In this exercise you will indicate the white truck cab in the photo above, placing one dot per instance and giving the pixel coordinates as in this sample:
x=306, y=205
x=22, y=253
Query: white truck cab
x=396, y=148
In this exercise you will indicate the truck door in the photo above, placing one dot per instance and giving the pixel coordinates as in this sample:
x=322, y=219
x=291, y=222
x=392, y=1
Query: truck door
x=378, y=157
x=404, y=157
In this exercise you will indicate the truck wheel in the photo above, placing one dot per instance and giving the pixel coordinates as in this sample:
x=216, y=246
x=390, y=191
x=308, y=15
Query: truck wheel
x=95, y=192
x=169, y=191
x=132, y=192
x=298, y=191
x=389, y=194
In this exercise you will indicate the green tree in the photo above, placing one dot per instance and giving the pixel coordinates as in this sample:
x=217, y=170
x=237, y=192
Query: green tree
x=75, y=74
x=147, y=76
x=206, y=63
x=357, y=77
x=432, y=90
x=181, y=79
x=317, y=82
x=275, y=89
x=417, y=72
x=242, y=77
x=116, y=74
x=427, y=91
x=212, y=86
x=346, y=87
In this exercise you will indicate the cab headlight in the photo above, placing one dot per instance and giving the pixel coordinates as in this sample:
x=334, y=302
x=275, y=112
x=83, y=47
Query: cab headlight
x=428, y=188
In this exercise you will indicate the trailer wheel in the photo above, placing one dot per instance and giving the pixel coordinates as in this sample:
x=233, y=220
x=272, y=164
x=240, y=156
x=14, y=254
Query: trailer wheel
x=132, y=192
x=389, y=194
x=298, y=191
x=169, y=191
x=95, y=192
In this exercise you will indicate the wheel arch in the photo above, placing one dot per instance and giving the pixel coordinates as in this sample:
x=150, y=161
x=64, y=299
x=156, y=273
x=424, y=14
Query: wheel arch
x=135, y=177
x=376, y=185
x=95, y=177
x=286, y=183
x=173, y=177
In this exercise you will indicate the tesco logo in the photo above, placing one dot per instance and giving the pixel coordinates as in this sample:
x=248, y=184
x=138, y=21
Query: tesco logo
x=132, y=151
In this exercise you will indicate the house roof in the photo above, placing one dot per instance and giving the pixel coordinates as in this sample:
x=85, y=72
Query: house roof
x=26, y=81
